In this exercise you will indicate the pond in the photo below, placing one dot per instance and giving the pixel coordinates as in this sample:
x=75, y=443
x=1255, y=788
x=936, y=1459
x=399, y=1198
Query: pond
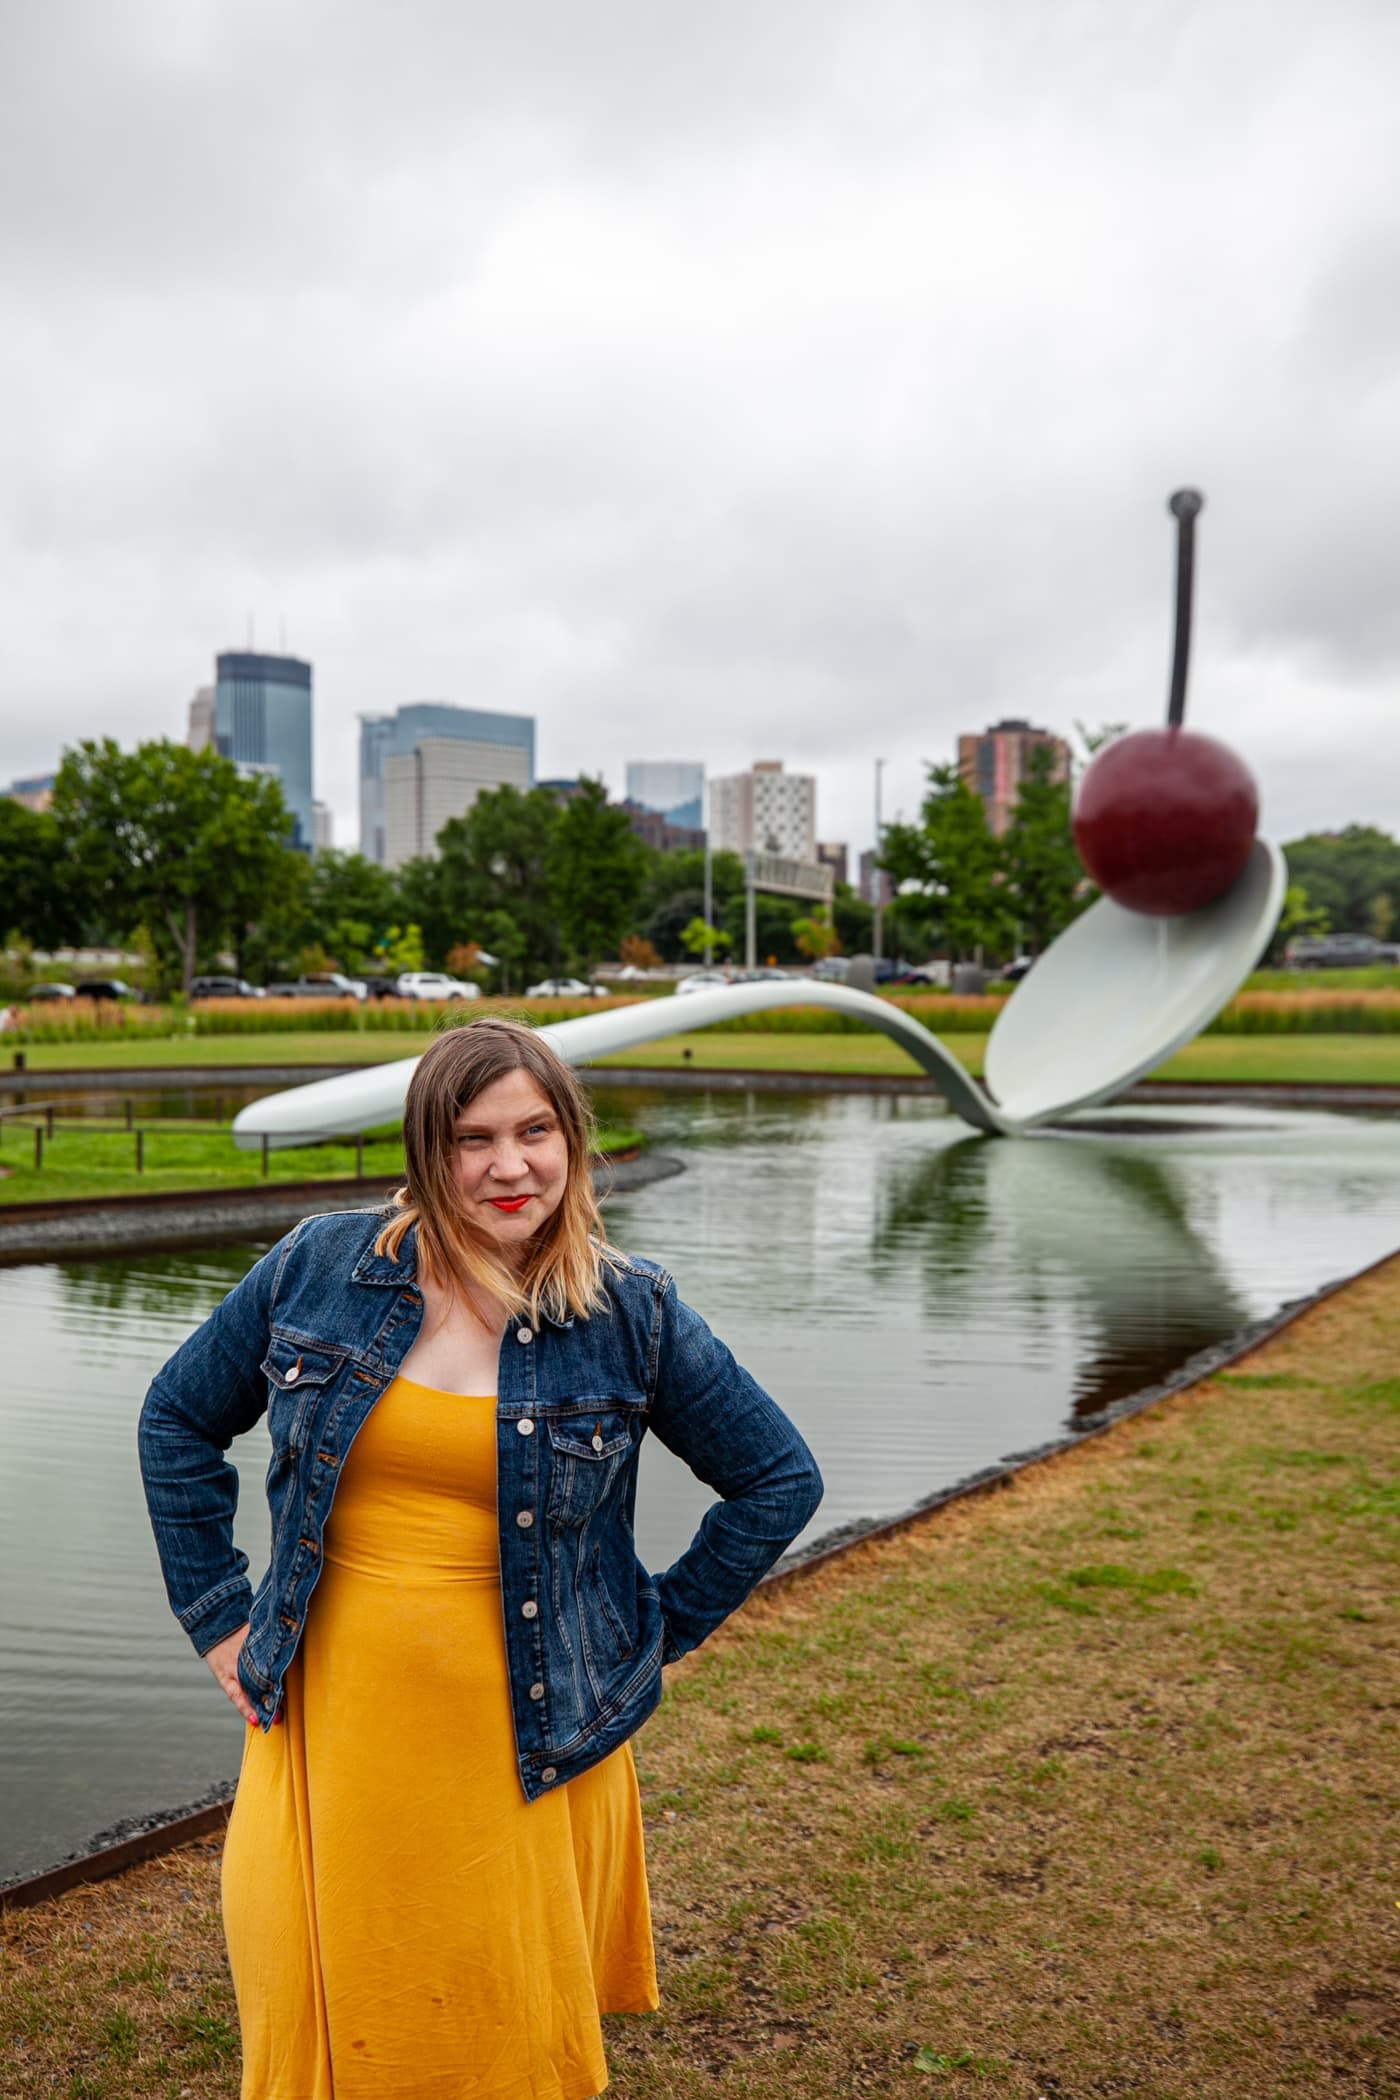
x=922, y=1302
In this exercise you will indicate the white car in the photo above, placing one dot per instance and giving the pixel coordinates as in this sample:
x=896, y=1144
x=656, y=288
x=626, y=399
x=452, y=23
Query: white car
x=565, y=988
x=436, y=985
x=702, y=981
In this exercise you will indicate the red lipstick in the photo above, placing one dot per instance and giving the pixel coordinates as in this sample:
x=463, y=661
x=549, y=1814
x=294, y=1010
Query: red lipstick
x=508, y=1202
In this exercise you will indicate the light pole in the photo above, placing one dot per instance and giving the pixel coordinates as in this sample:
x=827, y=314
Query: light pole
x=709, y=877
x=877, y=878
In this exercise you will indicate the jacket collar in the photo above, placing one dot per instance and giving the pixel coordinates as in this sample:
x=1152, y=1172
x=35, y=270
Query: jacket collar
x=379, y=1268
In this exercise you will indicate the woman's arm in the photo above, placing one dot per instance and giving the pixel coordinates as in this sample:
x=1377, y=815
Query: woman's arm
x=210, y=1391
x=733, y=1436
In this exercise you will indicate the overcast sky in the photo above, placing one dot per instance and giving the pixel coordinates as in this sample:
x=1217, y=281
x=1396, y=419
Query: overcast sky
x=768, y=378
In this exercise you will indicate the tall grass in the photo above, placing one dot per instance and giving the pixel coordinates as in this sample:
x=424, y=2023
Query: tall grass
x=1332, y=1011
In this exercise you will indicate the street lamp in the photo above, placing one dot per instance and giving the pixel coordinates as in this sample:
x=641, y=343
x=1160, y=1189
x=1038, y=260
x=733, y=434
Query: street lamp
x=877, y=879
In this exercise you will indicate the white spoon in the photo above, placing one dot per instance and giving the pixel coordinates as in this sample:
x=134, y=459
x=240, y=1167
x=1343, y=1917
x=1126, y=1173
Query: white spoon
x=1111, y=999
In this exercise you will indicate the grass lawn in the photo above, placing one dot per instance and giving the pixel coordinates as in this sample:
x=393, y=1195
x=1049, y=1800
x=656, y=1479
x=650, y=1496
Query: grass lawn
x=331, y=1047
x=1337, y=1059
x=83, y=1162
x=1340, y=1059
x=1085, y=1787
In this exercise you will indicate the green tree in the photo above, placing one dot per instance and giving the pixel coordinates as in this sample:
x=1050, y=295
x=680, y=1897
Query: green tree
x=773, y=927
x=697, y=937
x=816, y=935
x=496, y=858
x=952, y=857
x=1344, y=872
x=597, y=869
x=670, y=874
x=172, y=837
x=1045, y=883
x=38, y=896
x=854, y=920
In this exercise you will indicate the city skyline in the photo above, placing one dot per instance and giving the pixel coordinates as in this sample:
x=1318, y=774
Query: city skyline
x=825, y=400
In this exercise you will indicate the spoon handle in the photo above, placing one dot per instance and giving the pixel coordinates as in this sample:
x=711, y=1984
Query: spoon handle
x=1185, y=506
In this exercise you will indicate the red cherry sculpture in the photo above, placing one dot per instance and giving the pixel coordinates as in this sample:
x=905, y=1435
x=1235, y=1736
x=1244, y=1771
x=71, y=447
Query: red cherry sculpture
x=1165, y=818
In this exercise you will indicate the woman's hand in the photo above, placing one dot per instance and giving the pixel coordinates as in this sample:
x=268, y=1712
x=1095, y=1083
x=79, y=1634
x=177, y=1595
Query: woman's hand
x=222, y=1659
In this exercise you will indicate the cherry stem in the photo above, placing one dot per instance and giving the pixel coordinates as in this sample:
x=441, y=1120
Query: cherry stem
x=1185, y=506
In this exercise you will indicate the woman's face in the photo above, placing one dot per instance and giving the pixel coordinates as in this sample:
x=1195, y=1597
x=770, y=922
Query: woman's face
x=512, y=1160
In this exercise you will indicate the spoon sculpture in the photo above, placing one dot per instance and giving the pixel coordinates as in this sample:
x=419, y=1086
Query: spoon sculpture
x=1192, y=899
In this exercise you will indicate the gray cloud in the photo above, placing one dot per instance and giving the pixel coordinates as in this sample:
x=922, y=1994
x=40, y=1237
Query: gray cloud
x=798, y=380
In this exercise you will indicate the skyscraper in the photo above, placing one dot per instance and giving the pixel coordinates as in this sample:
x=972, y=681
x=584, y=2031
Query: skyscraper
x=428, y=762
x=262, y=720
x=766, y=811
x=675, y=789
x=200, y=734
x=995, y=763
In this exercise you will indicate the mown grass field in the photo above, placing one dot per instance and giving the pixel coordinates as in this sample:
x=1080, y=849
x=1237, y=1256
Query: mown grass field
x=1335, y=1059
x=1086, y=1787
x=79, y=1162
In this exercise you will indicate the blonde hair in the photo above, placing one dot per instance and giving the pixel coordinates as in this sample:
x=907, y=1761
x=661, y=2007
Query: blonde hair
x=562, y=1273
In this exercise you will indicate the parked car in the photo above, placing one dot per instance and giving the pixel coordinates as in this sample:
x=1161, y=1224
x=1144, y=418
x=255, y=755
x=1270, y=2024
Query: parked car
x=382, y=987
x=316, y=986
x=45, y=992
x=436, y=985
x=1339, y=951
x=333, y=984
x=703, y=981
x=225, y=988
x=565, y=988
x=106, y=988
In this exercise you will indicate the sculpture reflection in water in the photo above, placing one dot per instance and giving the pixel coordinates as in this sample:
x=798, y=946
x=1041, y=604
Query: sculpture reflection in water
x=1093, y=1224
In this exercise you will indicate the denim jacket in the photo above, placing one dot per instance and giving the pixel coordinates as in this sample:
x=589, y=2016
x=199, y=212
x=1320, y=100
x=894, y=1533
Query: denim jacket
x=312, y=1336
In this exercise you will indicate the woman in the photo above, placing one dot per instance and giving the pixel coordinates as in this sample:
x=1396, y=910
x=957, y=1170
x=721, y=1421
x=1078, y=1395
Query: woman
x=433, y=1879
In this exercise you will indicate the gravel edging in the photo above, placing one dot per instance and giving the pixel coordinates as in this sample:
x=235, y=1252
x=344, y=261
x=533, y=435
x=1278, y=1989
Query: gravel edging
x=149, y=1223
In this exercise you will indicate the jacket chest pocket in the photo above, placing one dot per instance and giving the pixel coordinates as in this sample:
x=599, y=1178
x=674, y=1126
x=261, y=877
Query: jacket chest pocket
x=588, y=1452
x=297, y=1375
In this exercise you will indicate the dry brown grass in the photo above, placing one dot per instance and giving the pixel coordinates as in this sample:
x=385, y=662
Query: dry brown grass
x=1087, y=1787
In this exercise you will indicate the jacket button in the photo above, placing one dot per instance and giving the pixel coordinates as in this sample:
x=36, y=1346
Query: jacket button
x=294, y=1373
x=525, y=1426
x=537, y=1691
x=548, y=1773
x=524, y=1518
x=523, y=1334
x=529, y=1609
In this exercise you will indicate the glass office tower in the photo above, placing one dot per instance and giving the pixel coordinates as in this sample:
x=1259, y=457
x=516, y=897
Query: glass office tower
x=262, y=718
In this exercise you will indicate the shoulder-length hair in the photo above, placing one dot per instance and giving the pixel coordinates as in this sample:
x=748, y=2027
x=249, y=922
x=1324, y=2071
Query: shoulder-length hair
x=562, y=1272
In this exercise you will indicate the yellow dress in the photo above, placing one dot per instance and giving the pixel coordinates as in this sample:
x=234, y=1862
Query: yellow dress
x=402, y=1924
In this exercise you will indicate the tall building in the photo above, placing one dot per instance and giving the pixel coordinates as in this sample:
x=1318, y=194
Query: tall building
x=35, y=793
x=502, y=753
x=766, y=811
x=834, y=854
x=323, y=819
x=674, y=789
x=656, y=830
x=200, y=734
x=995, y=763
x=262, y=721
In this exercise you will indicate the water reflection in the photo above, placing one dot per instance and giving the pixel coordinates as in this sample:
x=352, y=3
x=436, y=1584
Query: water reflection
x=1114, y=1224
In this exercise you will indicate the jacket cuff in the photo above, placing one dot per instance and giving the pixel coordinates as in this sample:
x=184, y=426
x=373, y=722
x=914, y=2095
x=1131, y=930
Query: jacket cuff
x=218, y=1615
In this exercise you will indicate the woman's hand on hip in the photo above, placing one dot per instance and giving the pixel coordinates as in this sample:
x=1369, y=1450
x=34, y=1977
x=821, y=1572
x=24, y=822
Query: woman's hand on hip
x=222, y=1659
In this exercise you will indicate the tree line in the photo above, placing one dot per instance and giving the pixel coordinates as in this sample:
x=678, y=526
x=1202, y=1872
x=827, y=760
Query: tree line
x=176, y=854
